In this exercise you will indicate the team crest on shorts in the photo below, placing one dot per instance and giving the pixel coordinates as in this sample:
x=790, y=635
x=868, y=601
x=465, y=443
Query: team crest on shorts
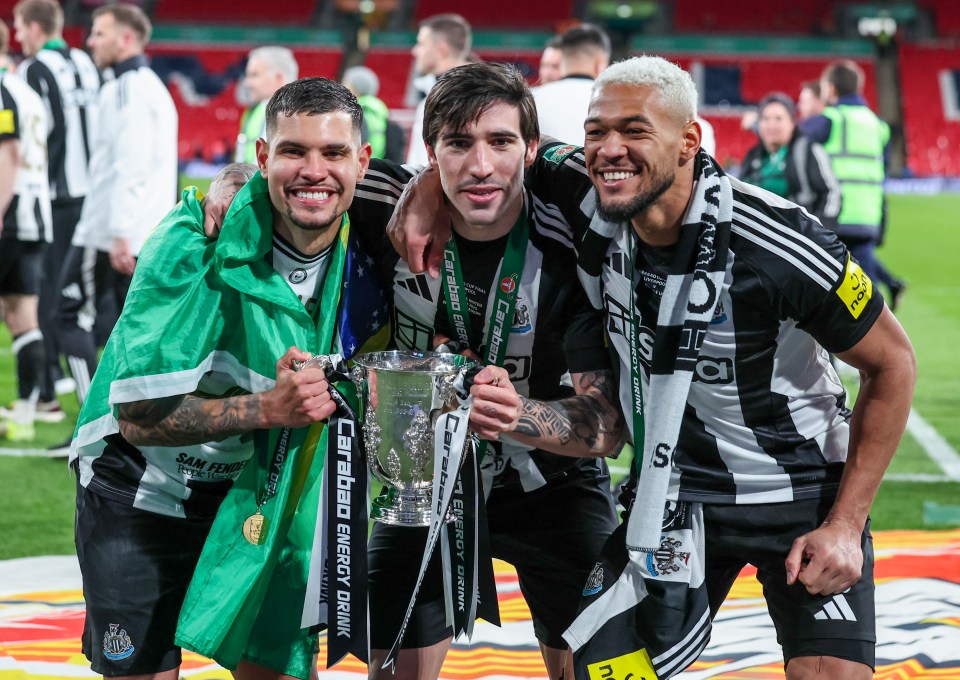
x=668, y=558
x=297, y=276
x=594, y=580
x=116, y=643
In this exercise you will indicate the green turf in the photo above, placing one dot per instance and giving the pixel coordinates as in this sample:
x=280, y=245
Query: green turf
x=37, y=507
x=37, y=494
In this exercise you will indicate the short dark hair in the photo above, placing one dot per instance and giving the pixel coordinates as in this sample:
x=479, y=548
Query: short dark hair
x=813, y=86
x=845, y=76
x=47, y=13
x=454, y=29
x=464, y=93
x=312, y=96
x=584, y=39
x=130, y=16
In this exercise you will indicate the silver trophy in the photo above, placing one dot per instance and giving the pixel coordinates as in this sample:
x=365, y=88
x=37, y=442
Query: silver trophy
x=401, y=396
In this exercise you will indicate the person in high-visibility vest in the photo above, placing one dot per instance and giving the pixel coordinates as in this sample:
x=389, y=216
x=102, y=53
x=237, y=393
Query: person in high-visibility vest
x=365, y=84
x=855, y=139
x=268, y=69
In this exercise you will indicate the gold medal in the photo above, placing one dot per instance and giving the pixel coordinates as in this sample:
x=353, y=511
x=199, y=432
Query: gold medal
x=254, y=528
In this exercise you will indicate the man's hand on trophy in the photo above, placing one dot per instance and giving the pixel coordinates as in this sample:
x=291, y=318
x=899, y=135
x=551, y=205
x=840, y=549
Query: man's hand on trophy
x=223, y=188
x=496, y=404
x=299, y=397
x=444, y=345
x=420, y=225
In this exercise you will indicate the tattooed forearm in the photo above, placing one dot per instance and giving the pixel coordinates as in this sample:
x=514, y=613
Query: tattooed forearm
x=588, y=424
x=185, y=420
x=543, y=420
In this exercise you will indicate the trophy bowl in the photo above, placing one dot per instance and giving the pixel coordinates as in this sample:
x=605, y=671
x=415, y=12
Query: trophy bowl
x=401, y=395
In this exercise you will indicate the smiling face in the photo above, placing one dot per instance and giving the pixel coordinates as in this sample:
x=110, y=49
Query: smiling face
x=312, y=164
x=634, y=150
x=481, y=170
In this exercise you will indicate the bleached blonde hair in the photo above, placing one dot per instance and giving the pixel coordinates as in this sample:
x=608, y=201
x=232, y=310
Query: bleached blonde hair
x=675, y=85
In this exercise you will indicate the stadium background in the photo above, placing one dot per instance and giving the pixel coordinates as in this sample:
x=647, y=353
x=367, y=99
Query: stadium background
x=738, y=51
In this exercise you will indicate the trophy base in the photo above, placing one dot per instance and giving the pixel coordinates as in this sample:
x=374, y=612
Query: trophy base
x=406, y=508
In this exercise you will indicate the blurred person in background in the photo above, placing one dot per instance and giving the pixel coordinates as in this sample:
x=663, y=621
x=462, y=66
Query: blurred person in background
x=788, y=164
x=133, y=184
x=68, y=83
x=809, y=102
x=443, y=41
x=856, y=140
x=25, y=232
x=386, y=138
x=268, y=69
x=562, y=104
x=551, y=62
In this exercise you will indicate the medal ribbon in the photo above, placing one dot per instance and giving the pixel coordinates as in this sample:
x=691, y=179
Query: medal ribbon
x=465, y=546
x=450, y=438
x=505, y=298
x=636, y=371
x=343, y=497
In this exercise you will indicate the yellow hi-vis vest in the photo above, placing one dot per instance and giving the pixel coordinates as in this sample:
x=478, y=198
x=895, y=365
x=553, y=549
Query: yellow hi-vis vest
x=252, y=125
x=856, y=142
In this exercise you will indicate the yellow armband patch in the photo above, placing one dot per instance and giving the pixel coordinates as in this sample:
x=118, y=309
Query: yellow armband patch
x=633, y=666
x=856, y=289
x=6, y=122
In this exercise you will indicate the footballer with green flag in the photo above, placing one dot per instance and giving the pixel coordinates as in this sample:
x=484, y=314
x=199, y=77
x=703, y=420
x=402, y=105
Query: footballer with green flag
x=200, y=392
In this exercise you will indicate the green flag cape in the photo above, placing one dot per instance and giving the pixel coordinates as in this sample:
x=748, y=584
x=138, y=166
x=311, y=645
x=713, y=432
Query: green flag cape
x=198, y=308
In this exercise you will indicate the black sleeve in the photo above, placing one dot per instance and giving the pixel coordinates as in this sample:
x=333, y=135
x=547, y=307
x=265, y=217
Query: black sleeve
x=824, y=184
x=584, y=342
x=823, y=289
x=373, y=203
x=559, y=179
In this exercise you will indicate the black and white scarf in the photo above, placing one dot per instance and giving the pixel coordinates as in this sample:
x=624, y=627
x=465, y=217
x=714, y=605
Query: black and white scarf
x=690, y=297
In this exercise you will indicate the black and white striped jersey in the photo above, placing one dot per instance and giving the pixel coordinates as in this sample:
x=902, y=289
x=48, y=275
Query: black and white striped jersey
x=69, y=84
x=23, y=122
x=765, y=419
x=554, y=329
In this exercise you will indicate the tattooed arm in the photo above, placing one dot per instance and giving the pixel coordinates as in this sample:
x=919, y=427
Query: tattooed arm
x=298, y=398
x=585, y=425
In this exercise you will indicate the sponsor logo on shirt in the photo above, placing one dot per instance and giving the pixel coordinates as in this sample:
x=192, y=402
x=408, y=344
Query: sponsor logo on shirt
x=633, y=666
x=855, y=289
x=559, y=154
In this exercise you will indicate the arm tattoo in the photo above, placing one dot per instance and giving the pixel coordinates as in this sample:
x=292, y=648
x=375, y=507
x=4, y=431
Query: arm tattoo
x=185, y=420
x=586, y=422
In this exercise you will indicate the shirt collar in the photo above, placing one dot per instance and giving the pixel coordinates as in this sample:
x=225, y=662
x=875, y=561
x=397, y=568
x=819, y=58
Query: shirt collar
x=129, y=64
